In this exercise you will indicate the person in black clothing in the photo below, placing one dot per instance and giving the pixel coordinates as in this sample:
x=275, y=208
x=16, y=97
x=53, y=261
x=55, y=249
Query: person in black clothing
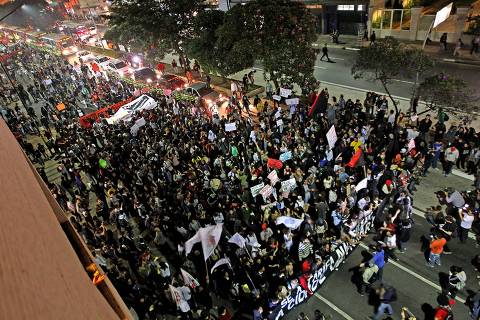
x=424, y=127
x=325, y=53
x=373, y=37
x=443, y=40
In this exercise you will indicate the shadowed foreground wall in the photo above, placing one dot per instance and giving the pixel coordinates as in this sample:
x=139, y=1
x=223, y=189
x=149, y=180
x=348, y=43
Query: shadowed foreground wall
x=41, y=275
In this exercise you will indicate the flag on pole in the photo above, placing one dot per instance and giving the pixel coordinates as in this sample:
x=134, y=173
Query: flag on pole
x=221, y=262
x=189, y=280
x=238, y=240
x=176, y=294
x=208, y=236
x=357, y=159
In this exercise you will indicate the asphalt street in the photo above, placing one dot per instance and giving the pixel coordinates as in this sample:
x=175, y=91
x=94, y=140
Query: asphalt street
x=417, y=285
x=339, y=72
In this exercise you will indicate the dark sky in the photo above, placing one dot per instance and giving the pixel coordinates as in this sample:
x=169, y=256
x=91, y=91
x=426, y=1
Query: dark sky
x=35, y=13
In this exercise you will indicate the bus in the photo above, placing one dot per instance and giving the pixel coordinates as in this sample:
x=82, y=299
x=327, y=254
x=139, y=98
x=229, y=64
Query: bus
x=59, y=42
x=79, y=31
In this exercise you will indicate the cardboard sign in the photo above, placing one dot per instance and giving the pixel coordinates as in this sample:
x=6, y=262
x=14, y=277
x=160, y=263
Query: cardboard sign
x=286, y=156
x=255, y=190
x=285, y=92
x=60, y=106
x=273, y=177
x=266, y=191
x=279, y=122
x=331, y=137
x=276, y=97
x=292, y=102
x=288, y=185
x=230, y=127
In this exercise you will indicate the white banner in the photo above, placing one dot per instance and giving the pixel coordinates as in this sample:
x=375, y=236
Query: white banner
x=230, y=127
x=288, y=185
x=331, y=137
x=292, y=102
x=255, y=190
x=285, y=92
x=276, y=97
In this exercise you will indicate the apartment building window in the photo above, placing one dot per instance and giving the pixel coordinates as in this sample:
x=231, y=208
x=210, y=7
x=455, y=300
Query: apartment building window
x=346, y=7
x=360, y=7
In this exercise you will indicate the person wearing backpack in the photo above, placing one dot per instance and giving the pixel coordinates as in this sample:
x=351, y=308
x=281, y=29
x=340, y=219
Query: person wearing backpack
x=386, y=296
x=457, y=279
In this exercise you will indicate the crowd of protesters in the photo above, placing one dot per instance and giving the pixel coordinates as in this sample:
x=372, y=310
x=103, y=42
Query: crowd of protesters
x=183, y=171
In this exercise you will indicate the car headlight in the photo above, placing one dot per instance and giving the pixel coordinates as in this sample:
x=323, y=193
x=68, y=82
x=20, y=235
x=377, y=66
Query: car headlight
x=149, y=80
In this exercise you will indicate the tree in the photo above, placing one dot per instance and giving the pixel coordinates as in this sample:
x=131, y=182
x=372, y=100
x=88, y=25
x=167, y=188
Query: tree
x=388, y=59
x=447, y=92
x=278, y=33
x=156, y=26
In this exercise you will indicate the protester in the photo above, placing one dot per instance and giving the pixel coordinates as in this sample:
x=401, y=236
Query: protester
x=284, y=196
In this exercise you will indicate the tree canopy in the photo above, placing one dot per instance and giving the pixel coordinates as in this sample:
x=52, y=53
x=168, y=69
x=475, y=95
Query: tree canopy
x=277, y=33
x=157, y=27
x=448, y=92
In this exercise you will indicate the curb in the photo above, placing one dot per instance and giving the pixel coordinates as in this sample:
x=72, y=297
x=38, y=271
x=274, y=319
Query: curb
x=460, y=61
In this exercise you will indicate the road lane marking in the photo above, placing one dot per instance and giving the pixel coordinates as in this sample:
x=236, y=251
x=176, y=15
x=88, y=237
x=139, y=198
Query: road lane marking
x=318, y=67
x=335, y=58
x=462, y=174
x=360, y=89
x=404, y=81
x=352, y=49
x=334, y=307
x=416, y=275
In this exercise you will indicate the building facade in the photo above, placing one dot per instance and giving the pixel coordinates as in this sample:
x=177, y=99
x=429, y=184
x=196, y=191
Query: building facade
x=346, y=16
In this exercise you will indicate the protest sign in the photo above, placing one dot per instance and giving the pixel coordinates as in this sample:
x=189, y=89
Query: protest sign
x=285, y=92
x=268, y=205
x=276, y=97
x=266, y=191
x=278, y=114
x=279, y=122
x=292, y=102
x=286, y=156
x=331, y=137
x=288, y=185
x=230, y=127
x=273, y=177
x=255, y=190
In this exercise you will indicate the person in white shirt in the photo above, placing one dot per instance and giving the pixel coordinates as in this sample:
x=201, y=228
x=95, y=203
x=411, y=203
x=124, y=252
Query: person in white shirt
x=390, y=246
x=467, y=217
x=451, y=156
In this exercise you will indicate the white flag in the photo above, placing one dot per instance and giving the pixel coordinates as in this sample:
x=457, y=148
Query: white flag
x=221, y=262
x=290, y=222
x=189, y=280
x=190, y=242
x=176, y=294
x=238, y=240
x=362, y=185
x=210, y=236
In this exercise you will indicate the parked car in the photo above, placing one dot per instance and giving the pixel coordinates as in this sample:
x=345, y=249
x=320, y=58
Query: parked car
x=210, y=99
x=102, y=61
x=85, y=56
x=120, y=67
x=164, y=81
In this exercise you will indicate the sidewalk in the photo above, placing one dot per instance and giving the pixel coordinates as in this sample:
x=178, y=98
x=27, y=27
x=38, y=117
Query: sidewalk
x=350, y=42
